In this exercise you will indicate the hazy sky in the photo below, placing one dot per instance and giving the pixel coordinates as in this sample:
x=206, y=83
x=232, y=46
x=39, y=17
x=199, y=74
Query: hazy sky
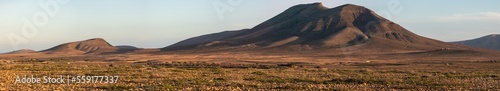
x=159, y=23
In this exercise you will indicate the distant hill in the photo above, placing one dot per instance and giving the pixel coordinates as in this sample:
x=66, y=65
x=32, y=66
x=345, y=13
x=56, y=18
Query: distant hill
x=487, y=42
x=22, y=51
x=96, y=45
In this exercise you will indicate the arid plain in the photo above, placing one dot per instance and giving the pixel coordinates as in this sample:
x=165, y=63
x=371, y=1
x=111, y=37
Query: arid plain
x=306, y=47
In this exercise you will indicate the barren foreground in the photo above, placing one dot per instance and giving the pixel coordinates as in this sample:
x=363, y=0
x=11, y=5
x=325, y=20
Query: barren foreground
x=241, y=72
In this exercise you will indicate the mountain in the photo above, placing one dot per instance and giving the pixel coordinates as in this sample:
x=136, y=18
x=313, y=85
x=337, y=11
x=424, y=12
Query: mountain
x=487, y=42
x=96, y=45
x=314, y=26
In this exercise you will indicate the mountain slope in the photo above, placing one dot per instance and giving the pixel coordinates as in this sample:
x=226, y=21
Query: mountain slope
x=313, y=26
x=487, y=42
x=192, y=42
x=96, y=45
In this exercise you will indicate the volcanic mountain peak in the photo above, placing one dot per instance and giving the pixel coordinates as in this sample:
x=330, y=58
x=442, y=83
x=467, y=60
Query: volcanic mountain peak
x=317, y=5
x=320, y=6
x=95, y=45
x=352, y=7
x=96, y=39
x=98, y=42
x=357, y=10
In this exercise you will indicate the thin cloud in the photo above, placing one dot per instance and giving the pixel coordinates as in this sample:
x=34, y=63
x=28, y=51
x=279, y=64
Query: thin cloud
x=471, y=17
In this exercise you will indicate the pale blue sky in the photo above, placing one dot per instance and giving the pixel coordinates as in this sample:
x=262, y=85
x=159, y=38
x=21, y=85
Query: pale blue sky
x=158, y=23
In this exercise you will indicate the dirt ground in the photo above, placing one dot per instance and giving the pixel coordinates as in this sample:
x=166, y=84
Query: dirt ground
x=230, y=71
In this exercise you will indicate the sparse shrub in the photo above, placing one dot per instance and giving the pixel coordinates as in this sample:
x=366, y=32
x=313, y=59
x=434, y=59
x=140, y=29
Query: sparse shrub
x=259, y=73
x=217, y=71
x=366, y=71
x=114, y=87
x=356, y=81
x=219, y=79
x=249, y=79
x=177, y=70
x=306, y=80
x=494, y=76
x=168, y=86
